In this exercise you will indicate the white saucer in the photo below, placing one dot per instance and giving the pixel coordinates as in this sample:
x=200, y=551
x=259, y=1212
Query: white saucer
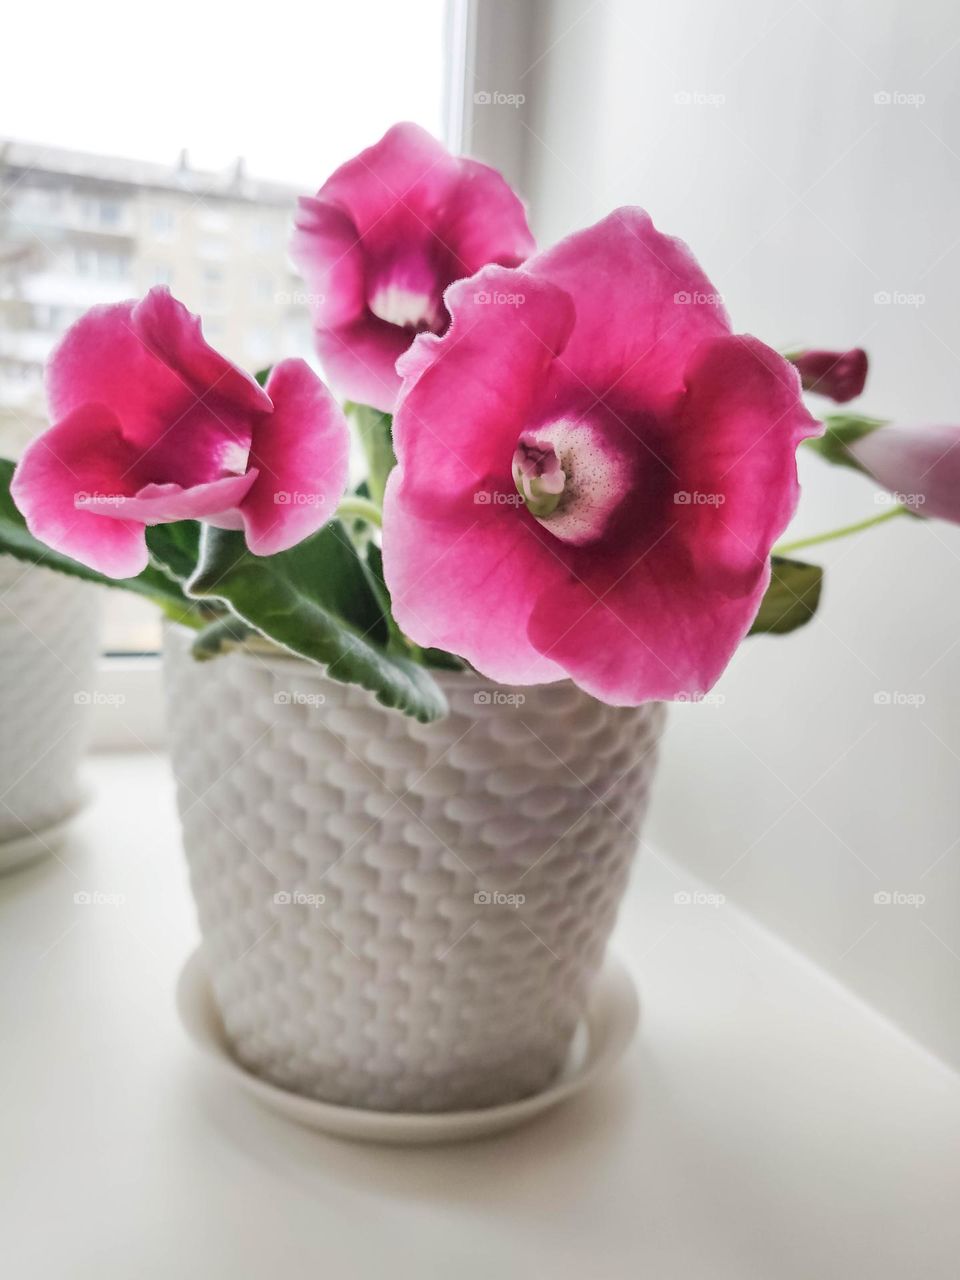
x=604, y=1034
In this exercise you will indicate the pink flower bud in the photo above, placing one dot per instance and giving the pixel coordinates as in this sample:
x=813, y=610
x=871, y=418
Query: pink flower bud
x=838, y=375
x=920, y=466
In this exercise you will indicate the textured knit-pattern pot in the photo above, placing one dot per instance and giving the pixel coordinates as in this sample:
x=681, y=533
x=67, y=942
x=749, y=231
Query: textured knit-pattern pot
x=400, y=916
x=48, y=648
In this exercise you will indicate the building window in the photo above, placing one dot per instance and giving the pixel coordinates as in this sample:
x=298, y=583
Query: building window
x=213, y=247
x=110, y=213
x=162, y=221
x=264, y=235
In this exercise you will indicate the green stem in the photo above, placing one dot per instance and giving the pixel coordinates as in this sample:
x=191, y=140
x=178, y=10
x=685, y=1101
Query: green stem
x=842, y=532
x=353, y=508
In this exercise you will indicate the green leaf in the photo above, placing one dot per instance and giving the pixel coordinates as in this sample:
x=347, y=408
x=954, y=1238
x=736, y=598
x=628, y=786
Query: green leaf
x=317, y=601
x=17, y=541
x=841, y=430
x=175, y=547
x=375, y=430
x=791, y=598
x=262, y=375
x=219, y=636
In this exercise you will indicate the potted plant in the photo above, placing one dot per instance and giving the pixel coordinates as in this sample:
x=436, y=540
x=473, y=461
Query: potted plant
x=414, y=719
x=49, y=625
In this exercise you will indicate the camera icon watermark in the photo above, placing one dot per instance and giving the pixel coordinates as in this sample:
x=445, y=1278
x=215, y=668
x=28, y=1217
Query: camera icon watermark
x=896, y=898
x=497, y=498
x=498, y=698
x=698, y=898
x=497, y=98
x=894, y=499
x=498, y=298
x=299, y=298
x=96, y=698
x=697, y=298
x=96, y=898
x=696, y=498
x=297, y=498
x=297, y=898
x=298, y=698
x=897, y=98
x=898, y=298
x=898, y=698
x=493, y=898
x=697, y=98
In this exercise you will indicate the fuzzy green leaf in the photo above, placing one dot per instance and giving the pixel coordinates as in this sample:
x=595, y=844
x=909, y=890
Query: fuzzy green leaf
x=317, y=601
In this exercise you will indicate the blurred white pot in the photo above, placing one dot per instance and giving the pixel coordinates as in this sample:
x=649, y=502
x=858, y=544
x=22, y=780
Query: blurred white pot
x=48, y=651
x=400, y=916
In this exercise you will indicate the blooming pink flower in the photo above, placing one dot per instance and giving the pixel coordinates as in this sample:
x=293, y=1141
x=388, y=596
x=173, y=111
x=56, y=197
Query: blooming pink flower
x=380, y=242
x=152, y=425
x=920, y=465
x=591, y=471
x=839, y=375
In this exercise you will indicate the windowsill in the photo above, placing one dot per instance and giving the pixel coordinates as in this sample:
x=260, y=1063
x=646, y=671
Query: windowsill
x=764, y=1124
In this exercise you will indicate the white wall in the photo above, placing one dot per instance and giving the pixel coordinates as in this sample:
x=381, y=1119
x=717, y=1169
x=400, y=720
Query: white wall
x=803, y=198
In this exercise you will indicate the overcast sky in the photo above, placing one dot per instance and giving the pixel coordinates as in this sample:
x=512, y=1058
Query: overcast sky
x=294, y=88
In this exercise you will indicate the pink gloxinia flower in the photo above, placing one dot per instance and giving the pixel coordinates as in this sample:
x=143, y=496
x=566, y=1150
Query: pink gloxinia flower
x=152, y=425
x=838, y=375
x=919, y=465
x=591, y=470
x=381, y=241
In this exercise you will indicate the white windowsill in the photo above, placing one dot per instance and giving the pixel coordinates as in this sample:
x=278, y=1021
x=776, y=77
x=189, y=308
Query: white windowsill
x=763, y=1125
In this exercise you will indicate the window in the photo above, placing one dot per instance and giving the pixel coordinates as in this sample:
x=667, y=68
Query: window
x=160, y=273
x=264, y=235
x=213, y=247
x=291, y=108
x=162, y=222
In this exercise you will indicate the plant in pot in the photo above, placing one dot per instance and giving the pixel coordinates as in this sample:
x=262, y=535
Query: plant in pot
x=414, y=719
x=49, y=630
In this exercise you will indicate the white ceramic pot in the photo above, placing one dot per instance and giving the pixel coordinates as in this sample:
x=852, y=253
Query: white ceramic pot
x=48, y=650
x=399, y=916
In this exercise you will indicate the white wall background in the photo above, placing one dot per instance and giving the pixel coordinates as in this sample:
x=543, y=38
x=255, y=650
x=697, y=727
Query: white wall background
x=803, y=197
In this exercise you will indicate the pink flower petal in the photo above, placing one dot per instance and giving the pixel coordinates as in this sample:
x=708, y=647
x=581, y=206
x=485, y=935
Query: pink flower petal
x=359, y=362
x=485, y=221
x=492, y=554
x=176, y=397
x=468, y=396
x=661, y=618
x=101, y=360
x=643, y=305
x=216, y=502
x=301, y=454
x=453, y=529
x=326, y=250
x=657, y=632
x=733, y=449
x=175, y=337
x=407, y=170
x=83, y=455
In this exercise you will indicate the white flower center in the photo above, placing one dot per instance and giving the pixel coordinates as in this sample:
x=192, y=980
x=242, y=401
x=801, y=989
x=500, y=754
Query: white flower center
x=408, y=308
x=571, y=478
